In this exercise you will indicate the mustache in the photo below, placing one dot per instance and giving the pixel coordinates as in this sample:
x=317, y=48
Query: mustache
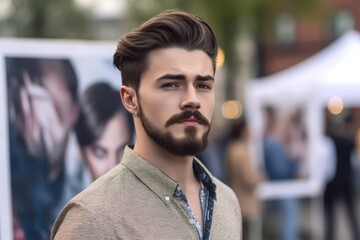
x=187, y=114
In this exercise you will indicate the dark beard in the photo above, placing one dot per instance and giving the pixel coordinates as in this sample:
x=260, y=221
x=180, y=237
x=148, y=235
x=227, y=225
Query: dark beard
x=186, y=146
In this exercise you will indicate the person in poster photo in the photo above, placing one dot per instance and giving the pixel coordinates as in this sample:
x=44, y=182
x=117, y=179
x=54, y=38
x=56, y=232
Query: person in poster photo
x=42, y=112
x=160, y=190
x=104, y=128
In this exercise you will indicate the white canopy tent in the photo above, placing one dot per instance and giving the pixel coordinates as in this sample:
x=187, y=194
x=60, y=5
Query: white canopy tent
x=334, y=71
x=335, y=67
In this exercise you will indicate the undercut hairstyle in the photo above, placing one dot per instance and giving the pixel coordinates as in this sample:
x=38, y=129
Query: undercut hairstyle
x=172, y=28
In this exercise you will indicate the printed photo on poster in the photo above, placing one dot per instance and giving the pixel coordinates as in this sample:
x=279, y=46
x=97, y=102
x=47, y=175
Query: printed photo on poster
x=66, y=127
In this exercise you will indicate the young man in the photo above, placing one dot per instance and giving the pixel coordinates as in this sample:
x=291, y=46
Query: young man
x=159, y=190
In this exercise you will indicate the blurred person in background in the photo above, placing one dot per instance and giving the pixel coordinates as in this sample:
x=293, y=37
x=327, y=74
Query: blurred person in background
x=279, y=166
x=42, y=112
x=295, y=140
x=104, y=128
x=341, y=186
x=213, y=156
x=244, y=177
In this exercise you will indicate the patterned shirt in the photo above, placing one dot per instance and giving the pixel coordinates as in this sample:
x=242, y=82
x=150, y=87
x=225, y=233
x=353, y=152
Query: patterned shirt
x=207, y=198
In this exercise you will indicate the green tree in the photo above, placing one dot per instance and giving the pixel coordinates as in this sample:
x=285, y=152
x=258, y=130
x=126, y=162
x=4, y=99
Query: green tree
x=47, y=19
x=230, y=19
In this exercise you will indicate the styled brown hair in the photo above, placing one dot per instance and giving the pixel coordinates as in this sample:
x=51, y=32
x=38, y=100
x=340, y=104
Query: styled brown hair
x=171, y=28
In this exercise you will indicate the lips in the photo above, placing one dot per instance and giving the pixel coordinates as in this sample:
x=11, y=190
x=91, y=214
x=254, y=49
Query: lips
x=189, y=120
x=188, y=117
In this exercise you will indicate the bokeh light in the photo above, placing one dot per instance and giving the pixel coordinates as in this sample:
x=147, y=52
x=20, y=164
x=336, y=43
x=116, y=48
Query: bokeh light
x=220, y=58
x=232, y=109
x=335, y=105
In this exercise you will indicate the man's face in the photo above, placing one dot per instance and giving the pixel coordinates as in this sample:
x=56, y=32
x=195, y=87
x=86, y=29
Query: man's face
x=176, y=99
x=106, y=152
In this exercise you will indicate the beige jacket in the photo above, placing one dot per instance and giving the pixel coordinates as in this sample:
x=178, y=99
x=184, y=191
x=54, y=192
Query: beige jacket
x=135, y=201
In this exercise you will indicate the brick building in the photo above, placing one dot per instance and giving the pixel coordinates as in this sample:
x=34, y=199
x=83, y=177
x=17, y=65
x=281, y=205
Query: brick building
x=295, y=39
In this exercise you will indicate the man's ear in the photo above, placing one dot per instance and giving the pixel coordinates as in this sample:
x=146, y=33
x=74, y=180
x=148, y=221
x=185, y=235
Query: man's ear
x=129, y=99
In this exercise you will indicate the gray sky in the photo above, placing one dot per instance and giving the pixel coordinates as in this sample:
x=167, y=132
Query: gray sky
x=108, y=8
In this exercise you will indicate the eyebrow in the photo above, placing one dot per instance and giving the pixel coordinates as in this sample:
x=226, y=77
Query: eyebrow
x=183, y=77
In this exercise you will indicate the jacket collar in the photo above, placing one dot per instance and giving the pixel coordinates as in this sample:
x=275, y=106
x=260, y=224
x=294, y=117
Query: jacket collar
x=157, y=181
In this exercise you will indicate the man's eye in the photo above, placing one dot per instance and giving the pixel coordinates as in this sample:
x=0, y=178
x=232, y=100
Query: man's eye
x=170, y=85
x=204, y=86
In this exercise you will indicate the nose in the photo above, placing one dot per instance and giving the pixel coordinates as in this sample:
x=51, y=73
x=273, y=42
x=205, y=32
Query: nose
x=190, y=100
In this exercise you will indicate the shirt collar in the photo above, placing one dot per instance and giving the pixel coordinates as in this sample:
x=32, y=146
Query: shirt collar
x=157, y=181
x=204, y=177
